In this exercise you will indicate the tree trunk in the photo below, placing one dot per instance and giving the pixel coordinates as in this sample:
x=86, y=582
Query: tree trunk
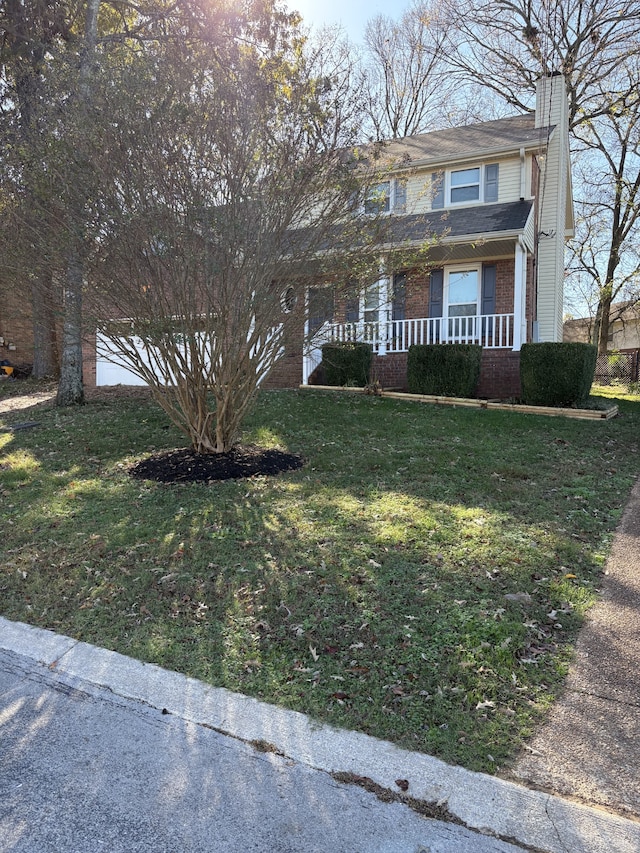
x=602, y=323
x=70, y=387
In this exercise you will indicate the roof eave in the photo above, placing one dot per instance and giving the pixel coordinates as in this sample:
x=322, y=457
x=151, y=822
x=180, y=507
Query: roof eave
x=480, y=239
x=532, y=147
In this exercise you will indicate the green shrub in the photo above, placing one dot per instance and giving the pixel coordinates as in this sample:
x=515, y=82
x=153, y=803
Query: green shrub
x=557, y=374
x=347, y=363
x=452, y=370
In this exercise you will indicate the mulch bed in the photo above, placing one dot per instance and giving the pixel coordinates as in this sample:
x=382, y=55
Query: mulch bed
x=185, y=466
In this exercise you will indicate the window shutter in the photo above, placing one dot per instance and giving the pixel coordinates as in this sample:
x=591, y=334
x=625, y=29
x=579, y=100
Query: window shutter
x=400, y=201
x=491, y=182
x=488, y=297
x=398, y=306
x=436, y=293
x=352, y=310
x=437, y=189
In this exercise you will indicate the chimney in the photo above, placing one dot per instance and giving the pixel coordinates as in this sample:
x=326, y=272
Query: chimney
x=555, y=205
x=552, y=104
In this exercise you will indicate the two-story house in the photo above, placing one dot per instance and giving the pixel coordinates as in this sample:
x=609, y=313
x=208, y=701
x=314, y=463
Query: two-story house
x=487, y=207
x=493, y=203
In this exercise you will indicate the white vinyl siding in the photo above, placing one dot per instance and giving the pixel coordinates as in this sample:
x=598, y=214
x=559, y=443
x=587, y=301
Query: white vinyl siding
x=509, y=189
x=509, y=186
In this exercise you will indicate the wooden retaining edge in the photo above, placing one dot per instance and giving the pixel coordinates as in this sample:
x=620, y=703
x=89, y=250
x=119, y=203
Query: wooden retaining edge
x=583, y=414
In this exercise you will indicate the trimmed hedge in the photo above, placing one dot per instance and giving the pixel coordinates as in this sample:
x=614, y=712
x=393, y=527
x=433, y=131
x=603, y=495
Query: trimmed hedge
x=451, y=370
x=557, y=374
x=347, y=363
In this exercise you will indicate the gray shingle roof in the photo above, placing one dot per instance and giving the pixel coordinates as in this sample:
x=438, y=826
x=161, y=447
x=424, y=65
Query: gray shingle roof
x=488, y=219
x=439, y=146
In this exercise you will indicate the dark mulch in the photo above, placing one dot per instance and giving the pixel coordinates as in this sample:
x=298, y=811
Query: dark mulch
x=185, y=466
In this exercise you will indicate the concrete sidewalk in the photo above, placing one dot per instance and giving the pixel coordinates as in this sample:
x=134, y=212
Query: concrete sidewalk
x=483, y=807
x=589, y=748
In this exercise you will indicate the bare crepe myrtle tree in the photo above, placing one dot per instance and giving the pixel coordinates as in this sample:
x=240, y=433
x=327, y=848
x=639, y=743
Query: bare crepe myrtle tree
x=231, y=184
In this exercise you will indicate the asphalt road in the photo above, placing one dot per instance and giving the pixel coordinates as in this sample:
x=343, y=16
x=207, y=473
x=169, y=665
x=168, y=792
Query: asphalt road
x=83, y=770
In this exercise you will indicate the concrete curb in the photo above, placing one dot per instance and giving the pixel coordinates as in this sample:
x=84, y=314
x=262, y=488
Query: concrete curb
x=484, y=803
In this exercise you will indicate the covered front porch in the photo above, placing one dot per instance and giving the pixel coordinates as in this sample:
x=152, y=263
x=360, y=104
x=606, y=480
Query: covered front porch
x=481, y=301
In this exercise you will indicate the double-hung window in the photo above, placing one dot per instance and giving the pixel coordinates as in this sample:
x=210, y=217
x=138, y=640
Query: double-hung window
x=465, y=186
x=378, y=198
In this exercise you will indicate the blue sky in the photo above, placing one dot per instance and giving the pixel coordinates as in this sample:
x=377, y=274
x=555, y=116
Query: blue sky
x=351, y=14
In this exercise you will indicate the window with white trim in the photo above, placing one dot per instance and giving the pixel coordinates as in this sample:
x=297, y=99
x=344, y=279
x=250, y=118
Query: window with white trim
x=462, y=300
x=465, y=186
x=373, y=298
x=463, y=292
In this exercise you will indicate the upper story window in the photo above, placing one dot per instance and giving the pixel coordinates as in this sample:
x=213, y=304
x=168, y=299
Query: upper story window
x=387, y=196
x=465, y=186
x=378, y=199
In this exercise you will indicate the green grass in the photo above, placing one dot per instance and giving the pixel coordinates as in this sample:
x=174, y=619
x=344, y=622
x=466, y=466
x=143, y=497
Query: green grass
x=367, y=588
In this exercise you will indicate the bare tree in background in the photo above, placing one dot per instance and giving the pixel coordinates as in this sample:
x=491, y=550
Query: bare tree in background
x=605, y=256
x=409, y=84
x=506, y=45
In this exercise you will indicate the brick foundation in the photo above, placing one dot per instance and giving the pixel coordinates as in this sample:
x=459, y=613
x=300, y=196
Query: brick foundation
x=499, y=375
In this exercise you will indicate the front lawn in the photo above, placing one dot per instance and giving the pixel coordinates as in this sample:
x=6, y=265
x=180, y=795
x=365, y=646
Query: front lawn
x=421, y=578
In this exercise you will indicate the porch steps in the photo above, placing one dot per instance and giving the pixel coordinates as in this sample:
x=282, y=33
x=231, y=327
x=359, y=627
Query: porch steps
x=583, y=414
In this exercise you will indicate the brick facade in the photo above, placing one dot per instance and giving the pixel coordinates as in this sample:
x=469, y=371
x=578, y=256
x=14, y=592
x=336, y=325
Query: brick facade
x=499, y=375
x=16, y=329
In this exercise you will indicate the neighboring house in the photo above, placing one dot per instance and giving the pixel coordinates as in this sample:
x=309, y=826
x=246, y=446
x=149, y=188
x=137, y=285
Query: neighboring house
x=497, y=196
x=624, y=328
x=622, y=361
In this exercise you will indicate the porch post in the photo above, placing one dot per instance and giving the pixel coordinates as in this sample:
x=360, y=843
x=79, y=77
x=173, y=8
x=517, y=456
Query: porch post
x=384, y=300
x=519, y=296
x=307, y=366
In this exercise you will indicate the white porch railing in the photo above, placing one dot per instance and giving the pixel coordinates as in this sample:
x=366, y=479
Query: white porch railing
x=492, y=331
